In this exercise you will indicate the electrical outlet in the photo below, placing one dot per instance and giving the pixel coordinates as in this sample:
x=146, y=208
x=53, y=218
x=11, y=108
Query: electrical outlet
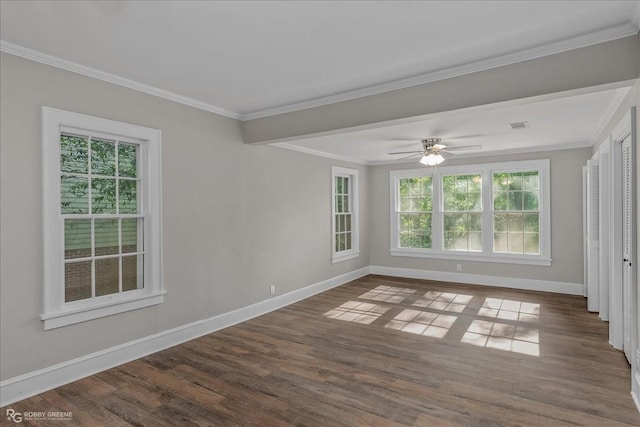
x=272, y=289
x=459, y=267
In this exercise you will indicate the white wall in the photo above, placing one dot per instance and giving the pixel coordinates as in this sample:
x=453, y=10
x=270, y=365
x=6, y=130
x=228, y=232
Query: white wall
x=237, y=217
x=566, y=222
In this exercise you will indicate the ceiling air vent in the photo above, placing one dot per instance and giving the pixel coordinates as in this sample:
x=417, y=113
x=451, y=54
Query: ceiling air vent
x=519, y=125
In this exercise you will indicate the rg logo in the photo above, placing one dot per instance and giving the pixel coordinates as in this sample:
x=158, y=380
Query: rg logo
x=16, y=417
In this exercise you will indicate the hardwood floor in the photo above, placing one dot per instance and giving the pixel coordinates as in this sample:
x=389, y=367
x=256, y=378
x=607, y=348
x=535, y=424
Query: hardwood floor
x=378, y=351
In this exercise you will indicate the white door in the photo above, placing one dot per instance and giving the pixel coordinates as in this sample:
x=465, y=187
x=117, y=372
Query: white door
x=628, y=232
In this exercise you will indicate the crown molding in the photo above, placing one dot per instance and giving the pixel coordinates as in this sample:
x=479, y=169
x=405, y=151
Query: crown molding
x=603, y=36
x=613, y=106
x=319, y=153
x=63, y=64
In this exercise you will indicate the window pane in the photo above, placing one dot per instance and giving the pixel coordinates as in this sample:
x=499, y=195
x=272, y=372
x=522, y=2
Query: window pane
x=531, y=223
x=128, y=196
x=516, y=222
x=338, y=203
x=515, y=181
x=531, y=181
x=474, y=202
x=77, y=281
x=132, y=272
x=338, y=185
x=530, y=201
x=500, y=222
x=77, y=238
x=130, y=230
x=500, y=242
x=347, y=219
x=103, y=157
x=107, y=274
x=449, y=240
x=500, y=202
x=500, y=182
x=74, y=155
x=103, y=195
x=106, y=237
x=475, y=241
x=347, y=241
x=514, y=200
x=127, y=160
x=474, y=222
x=531, y=243
x=74, y=195
x=345, y=203
x=405, y=204
x=515, y=243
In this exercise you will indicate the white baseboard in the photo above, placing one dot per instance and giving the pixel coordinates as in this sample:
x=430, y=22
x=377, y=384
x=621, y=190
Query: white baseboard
x=635, y=389
x=475, y=279
x=32, y=383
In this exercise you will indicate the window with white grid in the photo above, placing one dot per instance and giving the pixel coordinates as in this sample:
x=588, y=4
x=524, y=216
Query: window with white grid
x=345, y=214
x=101, y=216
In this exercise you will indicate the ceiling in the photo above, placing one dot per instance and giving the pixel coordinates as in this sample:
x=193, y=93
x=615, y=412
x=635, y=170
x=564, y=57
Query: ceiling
x=252, y=59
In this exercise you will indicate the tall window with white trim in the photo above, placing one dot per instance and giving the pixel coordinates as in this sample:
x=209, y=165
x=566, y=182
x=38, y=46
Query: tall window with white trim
x=415, y=206
x=516, y=212
x=462, y=212
x=101, y=216
x=345, y=214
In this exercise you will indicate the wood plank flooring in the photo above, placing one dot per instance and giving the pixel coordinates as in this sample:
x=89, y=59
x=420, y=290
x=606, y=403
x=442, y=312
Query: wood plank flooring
x=378, y=351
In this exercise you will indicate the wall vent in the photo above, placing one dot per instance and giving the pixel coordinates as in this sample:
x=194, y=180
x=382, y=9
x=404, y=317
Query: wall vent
x=519, y=125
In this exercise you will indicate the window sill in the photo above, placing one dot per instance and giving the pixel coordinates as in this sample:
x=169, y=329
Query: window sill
x=342, y=256
x=95, y=311
x=479, y=257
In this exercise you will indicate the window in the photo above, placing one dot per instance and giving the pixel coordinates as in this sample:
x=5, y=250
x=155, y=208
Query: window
x=102, y=228
x=462, y=210
x=345, y=214
x=516, y=212
x=496, y=212
x=414, y=213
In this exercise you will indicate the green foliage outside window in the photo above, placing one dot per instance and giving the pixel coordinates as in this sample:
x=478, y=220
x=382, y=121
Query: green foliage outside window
x=415, y=206
x=516, y=219
x=462, y=217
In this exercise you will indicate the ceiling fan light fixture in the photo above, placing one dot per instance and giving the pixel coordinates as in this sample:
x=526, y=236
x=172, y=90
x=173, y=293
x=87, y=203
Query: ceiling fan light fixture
x=432, y=159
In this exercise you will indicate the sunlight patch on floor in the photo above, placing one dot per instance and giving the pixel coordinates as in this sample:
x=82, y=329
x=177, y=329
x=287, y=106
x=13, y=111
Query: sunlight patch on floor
x=445, y=301
x=358, y=312
x=510, y=310
x=501, y=336
x=390, y=294
x=422, y=323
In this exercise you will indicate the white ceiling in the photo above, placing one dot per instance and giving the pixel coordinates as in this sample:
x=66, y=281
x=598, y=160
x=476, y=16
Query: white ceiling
x=245, y=58
x=248, y=59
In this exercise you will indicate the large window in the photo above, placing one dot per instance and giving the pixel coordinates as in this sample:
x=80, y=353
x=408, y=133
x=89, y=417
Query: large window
x=345, y=214
x=462, y=212
x=516, y=212
x=101, y=217
x=414, y=212
x=495, y=212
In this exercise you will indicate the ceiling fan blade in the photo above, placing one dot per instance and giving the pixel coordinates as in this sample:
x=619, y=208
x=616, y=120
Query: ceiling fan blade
x=464, y=147
x=413, y=155
x=405, y=152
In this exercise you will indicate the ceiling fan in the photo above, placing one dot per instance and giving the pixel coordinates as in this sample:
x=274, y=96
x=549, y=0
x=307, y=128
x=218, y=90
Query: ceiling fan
x=432, y=149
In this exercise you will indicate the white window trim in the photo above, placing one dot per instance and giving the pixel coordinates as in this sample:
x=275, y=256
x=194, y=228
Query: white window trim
x=487, y=254
x=354, y=252
x=57, y=313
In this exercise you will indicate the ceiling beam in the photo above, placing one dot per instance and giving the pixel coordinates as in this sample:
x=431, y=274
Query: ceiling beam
x=616, y=61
